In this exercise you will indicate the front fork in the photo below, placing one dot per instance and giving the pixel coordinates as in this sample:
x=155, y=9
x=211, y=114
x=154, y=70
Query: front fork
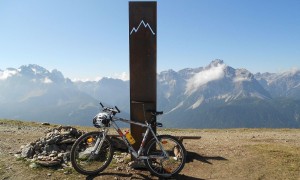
x=100, y=141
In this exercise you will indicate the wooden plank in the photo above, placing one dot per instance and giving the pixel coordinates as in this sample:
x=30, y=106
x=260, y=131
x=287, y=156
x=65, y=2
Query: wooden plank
x=142, y=47
x=178, y=137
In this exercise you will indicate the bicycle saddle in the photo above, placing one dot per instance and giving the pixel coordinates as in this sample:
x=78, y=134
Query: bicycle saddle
x=155, y=113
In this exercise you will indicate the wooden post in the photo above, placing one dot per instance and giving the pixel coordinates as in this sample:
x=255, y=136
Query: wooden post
x=142, y=45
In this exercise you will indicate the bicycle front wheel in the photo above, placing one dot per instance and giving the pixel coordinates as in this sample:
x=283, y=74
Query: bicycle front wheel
x=161, y=164
x=84, y=156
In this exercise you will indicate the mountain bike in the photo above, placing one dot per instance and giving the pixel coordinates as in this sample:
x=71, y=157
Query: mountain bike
x=163, y=155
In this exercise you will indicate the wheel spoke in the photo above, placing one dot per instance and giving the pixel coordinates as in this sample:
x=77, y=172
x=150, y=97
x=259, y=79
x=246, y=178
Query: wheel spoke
x=165, y=165
x=83, y=158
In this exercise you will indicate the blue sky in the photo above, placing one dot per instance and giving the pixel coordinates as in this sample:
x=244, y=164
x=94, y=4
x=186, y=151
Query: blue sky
x=89, y=39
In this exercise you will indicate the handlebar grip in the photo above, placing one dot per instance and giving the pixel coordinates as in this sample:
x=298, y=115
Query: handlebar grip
x=101, y=105
x=117, y=109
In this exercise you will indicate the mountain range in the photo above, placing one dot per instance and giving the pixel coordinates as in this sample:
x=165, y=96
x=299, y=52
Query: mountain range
x=215, y=96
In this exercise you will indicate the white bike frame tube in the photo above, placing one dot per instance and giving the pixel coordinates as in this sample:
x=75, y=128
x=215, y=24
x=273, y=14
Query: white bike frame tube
x=143, y=142
x=116, y=127
x=148, y=126
x=129, y=121
x=159, y=143
x=98, y=144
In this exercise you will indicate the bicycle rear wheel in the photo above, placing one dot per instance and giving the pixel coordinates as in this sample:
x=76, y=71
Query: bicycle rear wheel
x=161, y=165
x=83, y=157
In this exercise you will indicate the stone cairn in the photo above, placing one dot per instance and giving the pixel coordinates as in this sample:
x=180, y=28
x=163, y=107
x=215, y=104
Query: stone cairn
x=54, y=148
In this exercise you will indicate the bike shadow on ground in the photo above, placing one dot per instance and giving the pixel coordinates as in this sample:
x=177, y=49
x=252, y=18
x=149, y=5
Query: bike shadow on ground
x=142, y=176
x=178, y=177
x=191, y=156
x=109, y=174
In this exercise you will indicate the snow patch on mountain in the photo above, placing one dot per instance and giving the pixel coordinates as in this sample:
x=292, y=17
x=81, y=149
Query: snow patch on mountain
x=177, y=107
x=241, y=79
x=47, y=80
x=242, y=75
x=197, y=103
x=201, y=78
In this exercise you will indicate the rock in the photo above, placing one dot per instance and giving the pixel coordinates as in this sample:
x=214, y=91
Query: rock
x=33, y=165
x=64, y=165
x=53, y=149
x=137, y=164
x=69, y=147
x=65, y=133
x=45, y=123
x=118, y=144
x=49, y=135
x=18, y=156
x=52, y=155
x=118, y=168
x=74, y=132
x=63, y=147
x=67, y=141
x=40, y=157
x=60, y=155
x=120, y=160
x=66, y=156
x=67, y=172
x=55, y=158
x=48, y=163
x=54, y=140
x=27, y=151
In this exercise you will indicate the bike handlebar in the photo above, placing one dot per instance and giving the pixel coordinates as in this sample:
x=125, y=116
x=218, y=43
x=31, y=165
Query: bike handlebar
x=113, y=110
x=117, y=109
x=101, y=105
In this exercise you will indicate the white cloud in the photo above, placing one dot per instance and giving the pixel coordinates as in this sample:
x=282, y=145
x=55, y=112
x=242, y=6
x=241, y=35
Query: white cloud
x=86, y=79
x=203, y=77
x=123, y=76
x=292, y=71
x=7, y=73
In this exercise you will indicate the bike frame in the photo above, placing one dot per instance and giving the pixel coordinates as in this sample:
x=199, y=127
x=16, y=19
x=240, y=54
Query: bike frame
x=136, y=154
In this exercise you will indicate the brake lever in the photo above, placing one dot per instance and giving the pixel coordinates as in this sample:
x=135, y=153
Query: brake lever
x=117, y=109
x=101, y=105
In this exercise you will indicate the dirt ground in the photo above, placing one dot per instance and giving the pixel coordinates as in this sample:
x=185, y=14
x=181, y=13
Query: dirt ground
x=219, y=154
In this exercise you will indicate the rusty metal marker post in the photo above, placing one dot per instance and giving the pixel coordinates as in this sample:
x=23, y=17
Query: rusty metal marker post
x=142, y=45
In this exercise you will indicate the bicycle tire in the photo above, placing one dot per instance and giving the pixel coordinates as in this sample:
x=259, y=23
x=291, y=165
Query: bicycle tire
x=167, y=167
x=84, y=161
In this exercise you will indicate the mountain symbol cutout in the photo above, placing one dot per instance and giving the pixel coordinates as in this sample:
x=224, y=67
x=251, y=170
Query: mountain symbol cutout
x=145, y=25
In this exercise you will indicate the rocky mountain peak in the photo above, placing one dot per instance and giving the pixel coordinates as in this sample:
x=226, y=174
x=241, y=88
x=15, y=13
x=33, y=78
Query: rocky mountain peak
x=33, y=69
x=216, y=62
